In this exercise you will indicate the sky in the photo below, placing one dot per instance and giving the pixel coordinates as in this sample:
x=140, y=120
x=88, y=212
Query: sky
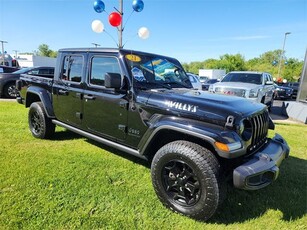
x=189, y=30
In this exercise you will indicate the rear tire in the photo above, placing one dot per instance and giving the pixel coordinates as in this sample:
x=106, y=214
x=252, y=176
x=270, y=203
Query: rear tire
x=186, y=179
x=40, y=125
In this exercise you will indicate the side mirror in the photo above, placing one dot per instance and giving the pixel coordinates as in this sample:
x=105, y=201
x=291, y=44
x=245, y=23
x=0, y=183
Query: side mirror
x=269, y=83
x=113, y=80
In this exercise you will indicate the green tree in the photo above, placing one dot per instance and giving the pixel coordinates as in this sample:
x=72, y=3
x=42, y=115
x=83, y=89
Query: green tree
x=193, y=67
x=266, y=62
x=43, y=50
x=270, y=61
x=292, y=69
x=211, y=63
x=232, y=62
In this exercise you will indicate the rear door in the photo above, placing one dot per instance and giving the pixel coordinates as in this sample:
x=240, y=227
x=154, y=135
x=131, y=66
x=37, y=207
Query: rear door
x=68, y=89
x=105, y=110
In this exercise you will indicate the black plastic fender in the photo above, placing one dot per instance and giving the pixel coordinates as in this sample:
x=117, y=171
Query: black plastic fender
x=44, y=96
x=202, y=130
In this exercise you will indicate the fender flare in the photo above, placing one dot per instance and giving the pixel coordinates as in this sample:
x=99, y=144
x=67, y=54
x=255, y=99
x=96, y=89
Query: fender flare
x=187, y=127
x=44, y=96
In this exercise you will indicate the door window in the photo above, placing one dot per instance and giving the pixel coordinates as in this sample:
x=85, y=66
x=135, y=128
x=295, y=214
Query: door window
x=72, y=68
x=100, y=66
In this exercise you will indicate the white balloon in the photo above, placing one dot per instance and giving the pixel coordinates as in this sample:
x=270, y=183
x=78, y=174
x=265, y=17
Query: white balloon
x=97, y=26
x=143, y=33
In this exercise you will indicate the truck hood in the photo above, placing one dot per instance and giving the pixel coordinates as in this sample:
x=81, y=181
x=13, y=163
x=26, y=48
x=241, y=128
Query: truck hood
x=199, y=105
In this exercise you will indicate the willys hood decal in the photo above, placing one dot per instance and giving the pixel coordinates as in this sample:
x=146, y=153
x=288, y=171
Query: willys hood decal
x=200, y=105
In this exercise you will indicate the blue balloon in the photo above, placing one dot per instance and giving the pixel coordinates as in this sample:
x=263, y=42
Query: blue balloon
x=99, y=6
x=138, y=5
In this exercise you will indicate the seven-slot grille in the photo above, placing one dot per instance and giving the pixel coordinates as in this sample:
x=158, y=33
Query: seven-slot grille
x=260, y=126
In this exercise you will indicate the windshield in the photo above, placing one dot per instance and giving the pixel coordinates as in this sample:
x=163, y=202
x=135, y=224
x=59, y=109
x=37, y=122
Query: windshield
x=211, y=81
x=149, y=71
x=23, y=70
x=253, y=78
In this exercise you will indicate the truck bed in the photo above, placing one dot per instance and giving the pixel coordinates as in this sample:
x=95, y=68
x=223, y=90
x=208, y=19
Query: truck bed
x=30, y=81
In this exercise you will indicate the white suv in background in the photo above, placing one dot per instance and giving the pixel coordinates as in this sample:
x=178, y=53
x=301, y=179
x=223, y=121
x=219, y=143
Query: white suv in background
x=257, y=86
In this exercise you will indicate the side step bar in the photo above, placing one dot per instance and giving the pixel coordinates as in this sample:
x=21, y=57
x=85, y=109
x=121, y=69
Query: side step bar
x=100, y=139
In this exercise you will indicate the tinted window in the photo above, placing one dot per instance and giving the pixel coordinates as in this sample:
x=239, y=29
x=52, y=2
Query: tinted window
x=193, y=79
x=243, y=77
x=211, y=81
x=100, y=66
x=72, y=68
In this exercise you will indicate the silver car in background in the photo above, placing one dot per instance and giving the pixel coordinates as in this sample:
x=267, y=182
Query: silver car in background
x=194, y=79
x=256, y=86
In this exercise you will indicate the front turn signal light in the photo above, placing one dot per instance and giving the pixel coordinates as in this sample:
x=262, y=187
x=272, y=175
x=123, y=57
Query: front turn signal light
x=222, y=146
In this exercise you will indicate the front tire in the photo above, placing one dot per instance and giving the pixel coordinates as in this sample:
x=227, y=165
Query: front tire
x=10, y=90
x=40, y=125
x=186, y=179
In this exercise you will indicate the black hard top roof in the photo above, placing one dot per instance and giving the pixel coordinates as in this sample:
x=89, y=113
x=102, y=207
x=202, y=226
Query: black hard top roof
x=110, y=50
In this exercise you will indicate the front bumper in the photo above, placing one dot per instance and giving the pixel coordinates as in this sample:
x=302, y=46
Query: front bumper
x=263, y=167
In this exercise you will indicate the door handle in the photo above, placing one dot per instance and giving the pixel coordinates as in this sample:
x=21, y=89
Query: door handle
x=62, y=91
x=89, y=97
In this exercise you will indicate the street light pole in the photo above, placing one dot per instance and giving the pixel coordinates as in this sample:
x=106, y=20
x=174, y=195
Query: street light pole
x=3, y=58
x=282, y=54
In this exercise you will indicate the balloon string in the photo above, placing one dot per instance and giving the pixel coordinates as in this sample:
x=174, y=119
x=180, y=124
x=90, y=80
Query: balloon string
x=111, y=37
x=129, y=40
x=127, y=19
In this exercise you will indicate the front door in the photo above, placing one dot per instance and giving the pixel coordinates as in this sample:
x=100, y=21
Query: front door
x=105, y=110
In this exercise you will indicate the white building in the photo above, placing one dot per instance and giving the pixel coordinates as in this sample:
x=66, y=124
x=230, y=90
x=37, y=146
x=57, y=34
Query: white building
x=212, y=73
x=28, y=60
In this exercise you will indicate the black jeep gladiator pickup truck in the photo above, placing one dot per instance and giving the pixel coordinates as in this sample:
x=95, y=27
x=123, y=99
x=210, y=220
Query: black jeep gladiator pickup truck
x=144, y=104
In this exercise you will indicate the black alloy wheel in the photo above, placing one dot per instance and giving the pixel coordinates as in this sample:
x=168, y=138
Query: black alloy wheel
x=181, y=183
x=187, y=178
x=10, y=90
x=40, y=125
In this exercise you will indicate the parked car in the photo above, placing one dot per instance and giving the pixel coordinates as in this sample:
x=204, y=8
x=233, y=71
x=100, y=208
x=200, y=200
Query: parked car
x=8, y=80
x=203, y=79
x=295, y=86
x=7, y=69
x=256, y=86
x=282, y=92
x=209, y=82
x=195, y=81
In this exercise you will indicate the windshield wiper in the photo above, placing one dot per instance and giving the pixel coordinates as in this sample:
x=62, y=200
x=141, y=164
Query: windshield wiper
x=163, y=85
x=177, y=83
x=142, y=85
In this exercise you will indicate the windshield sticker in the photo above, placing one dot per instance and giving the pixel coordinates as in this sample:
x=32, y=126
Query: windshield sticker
x=132, y=57
x=159, y=65
x=138, y=74
x=181, y=106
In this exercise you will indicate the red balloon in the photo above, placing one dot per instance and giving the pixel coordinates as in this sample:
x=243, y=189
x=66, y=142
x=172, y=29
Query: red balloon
x=115, y=19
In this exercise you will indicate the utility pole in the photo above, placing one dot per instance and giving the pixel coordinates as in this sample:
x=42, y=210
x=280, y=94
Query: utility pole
x=282, y=54
x=3, y=58
x=16, y=53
